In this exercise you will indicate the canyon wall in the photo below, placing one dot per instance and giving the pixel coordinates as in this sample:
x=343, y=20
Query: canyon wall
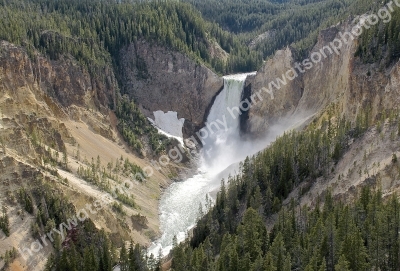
x=157, y=78
x=338, y=78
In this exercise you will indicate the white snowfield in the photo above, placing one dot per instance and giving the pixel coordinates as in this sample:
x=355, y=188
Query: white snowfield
x=169, y=124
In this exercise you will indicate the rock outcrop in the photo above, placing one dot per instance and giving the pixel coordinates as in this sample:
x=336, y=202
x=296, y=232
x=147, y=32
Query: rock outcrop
x=64, y=81
x=339, y=77
x=160, y=79
x=277, y=104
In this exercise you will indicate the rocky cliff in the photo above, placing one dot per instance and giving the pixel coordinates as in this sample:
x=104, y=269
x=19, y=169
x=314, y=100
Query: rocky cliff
x=339, y=77
x=64, y=81
x=160, y=79
x=343, y=82
x=276, y=104
x=54, y=119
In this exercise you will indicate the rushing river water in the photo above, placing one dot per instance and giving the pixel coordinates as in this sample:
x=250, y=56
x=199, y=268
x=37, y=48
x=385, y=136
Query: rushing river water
x=180, y=203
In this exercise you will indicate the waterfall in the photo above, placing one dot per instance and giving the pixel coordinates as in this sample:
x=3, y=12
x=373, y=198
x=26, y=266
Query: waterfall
x=222, y=147
x=229, y=97
x=179, y=205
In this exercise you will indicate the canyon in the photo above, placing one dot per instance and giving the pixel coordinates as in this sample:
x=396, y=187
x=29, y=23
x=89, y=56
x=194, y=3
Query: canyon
x=58, y=106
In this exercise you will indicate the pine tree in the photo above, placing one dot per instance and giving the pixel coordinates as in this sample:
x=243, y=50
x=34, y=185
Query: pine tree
x=63, y=264
x=256, y=199
x=4, y=222
x=244, y=262
x=89, y=258
x=73, y=258
x=323, y=266
x=269, y=262
x=65, y=159
x=312, y=265
x=287, y=265
x=123, y=259
x=353, y=248
x=159, y=261
x=342, y=265
x=278, y=251
x=251, y=234
x=105, y=258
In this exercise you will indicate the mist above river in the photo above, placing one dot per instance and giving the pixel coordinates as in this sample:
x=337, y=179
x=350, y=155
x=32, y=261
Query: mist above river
x=222, y=151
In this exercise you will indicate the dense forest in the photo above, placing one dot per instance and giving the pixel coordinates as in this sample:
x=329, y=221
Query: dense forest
x=286, y=22
x=331, y=236
x=134, y=127
x=94, y=31
x=335, y=236
x=381, y=42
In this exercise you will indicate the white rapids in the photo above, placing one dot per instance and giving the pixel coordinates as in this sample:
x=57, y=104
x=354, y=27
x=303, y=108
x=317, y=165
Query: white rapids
x=179, y=205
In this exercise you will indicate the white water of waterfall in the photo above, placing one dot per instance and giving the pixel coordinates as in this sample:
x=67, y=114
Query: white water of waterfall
x=179, y=205
x=222, y=148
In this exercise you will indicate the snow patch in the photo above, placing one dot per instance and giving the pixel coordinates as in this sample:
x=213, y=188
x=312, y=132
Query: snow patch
x=168, y=124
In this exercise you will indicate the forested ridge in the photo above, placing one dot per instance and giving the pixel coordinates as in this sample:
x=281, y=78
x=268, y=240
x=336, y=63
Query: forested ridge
x=381, y=43
x=232, y=235
x=337, y=236
x=94, y=31
x=287, y=22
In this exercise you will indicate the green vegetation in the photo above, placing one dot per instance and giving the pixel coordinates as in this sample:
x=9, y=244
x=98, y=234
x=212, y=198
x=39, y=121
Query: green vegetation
x=4, y=222
x=97, y=174
x=26, y=200
x=125, y=199
x=117, y=207
x=135, y=128
x=335, y=236
x=233, y=235
x=135, y=259
x=381, y=42
x=95, y=252
x=94, y=31
x=87, y=248
x=288, y=22
x=9, y=256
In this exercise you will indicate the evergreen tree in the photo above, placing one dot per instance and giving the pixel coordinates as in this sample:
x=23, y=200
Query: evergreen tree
x=342, y=265
x=269, y=263
x=123, y=259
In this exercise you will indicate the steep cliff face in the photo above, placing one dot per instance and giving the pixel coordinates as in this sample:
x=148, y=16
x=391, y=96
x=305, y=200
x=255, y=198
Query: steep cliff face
x=54, y=118
x=339, y=77
x=160, y=79
x=343, y=80
x=276, y=104
x=64, y=81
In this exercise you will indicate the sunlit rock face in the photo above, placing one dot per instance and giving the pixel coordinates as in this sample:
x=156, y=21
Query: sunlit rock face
x=339, y=78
